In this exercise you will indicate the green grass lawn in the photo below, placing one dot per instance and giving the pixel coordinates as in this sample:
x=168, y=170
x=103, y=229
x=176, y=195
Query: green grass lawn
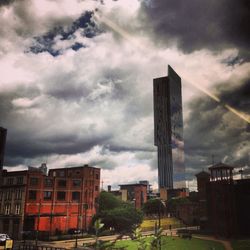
x=165, y=222
x=176, y=243
x=241, y=244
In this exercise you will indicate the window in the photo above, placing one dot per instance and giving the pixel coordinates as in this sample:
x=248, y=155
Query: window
x=18, y=194
x=61, y=196
x=32, y=195
x=96, y=188
x=97, y=176
x=33, y=181
x=7, y=208
x=76, y=183
x=6, y=224
x=17, y=208
x=47, y=195
x=48, y=182
x=75, y=196
x=62, y=183
x=10, y=181
x=61, y=173
x=20, y=180
x=8, y=195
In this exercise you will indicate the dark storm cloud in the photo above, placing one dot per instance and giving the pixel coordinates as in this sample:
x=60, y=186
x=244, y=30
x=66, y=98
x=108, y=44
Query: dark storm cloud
x=46, y=42
x=214, y=133
x=35, y=147
x=6, y=2
x=199, y=24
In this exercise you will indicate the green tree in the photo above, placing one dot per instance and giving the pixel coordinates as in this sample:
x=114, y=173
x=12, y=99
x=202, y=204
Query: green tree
x=156, y=241
x=108, y=201
x=116, y=214
x=122, y=219
x=173, y=203
x=142, y=243
x=98, y=225
x=153, y=206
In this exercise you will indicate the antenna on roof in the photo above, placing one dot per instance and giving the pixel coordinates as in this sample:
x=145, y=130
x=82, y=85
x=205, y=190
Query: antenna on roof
x=212, y=159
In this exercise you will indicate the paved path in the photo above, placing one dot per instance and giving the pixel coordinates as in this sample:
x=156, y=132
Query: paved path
x=69, y=244
x=226, y=243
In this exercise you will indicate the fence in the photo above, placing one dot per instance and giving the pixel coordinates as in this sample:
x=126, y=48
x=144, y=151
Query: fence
x=34, y=247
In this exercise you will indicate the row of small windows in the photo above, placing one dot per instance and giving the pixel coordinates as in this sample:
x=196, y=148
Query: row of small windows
x=12, y=180
x=60, y=195
x=8, y=194
x=7, y=209
x=34, y=181
x=60, y=183
x=62, y=173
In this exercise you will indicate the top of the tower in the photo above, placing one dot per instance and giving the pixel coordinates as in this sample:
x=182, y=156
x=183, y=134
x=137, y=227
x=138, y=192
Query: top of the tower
x=173, y=74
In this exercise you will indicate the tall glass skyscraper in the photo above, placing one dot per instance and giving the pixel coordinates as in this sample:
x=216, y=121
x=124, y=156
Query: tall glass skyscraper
x=168, y=130
x=3, y=134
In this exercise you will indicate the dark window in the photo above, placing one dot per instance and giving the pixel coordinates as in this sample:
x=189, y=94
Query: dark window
x=96, y=188
x=6, y=224
x=33, y=181
x=61, y=173
x=18, y=194
x=47, y=195
x=62, y=183
x=61, y=196
x=48, y=182
x=32, y=195
x=97, y=176
x=10, y=181
x=8, y=195
x=76, y=183
x=17, y=208
x=76, y=196
x=77, y=172
x=19, y=180
x=7, y=209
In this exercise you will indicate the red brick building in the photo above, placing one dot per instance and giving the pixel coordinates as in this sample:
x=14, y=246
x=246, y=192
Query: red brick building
x=65, y=198
x=136, y=193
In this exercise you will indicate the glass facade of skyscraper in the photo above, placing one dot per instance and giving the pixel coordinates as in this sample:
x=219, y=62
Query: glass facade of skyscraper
x=168, y=131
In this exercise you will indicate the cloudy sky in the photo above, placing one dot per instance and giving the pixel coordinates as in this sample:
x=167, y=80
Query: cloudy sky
x=76, y=82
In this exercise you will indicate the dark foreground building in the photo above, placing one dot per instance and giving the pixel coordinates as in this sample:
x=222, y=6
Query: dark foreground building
x=228, y=203
x=64, y=199
x=168, y=130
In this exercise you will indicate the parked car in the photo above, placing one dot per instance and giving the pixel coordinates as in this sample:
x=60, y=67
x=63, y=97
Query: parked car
x=4, y=237
x=5, y=242
x=74, y=231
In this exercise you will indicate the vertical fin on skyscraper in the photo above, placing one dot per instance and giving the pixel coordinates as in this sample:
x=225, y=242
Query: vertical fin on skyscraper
x=173, y=74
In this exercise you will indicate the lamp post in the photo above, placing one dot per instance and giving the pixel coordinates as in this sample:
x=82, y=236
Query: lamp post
x=77, y=225
x=159, y=218
x=85, y=216
x=38, y=220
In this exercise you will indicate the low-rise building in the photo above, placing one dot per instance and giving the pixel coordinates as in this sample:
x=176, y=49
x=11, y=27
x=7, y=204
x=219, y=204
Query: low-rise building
x=31, y=200
x=136, y=193
x=228, y=203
